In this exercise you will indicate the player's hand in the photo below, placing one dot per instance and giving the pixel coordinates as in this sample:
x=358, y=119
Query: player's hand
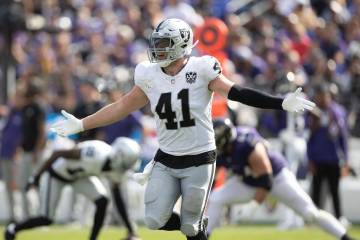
x=294, y=102
x=143, y=177
x=345, y=170
x=33, y=181
x=69, y=126
x=248, y=210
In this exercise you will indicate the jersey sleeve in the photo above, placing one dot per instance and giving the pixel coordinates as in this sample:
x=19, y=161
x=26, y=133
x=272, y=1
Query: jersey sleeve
x=211, y=67
x=139, y=76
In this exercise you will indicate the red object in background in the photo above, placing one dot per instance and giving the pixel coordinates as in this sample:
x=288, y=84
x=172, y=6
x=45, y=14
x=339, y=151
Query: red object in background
x=219, y=107
x=302, y=47
x=212, y=37
x=220, y=177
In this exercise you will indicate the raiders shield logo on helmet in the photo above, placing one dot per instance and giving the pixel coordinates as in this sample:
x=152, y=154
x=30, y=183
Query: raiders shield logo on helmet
x=185, y=34
x=191, y=77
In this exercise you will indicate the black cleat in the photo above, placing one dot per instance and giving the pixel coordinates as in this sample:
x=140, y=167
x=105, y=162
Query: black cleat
x=205, y=223
x=346, y=237
x=10, y=232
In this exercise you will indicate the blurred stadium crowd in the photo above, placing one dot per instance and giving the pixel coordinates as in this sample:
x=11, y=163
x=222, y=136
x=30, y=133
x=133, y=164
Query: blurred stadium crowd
x=80, y=55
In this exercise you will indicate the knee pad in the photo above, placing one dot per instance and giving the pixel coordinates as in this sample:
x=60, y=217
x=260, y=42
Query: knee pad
x=152, y=223
x=102, y=202
x=189, y=230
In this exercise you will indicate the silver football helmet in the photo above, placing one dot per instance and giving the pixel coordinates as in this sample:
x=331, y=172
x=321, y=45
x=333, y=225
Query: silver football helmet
x=171, y=39
x=126, y=153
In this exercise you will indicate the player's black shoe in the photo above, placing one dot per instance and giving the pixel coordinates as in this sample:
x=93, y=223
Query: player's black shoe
x=205, y=223
x=346, y=237
x=10, y=232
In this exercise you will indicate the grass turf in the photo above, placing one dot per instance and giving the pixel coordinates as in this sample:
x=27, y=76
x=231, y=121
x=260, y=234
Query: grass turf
x=224, y=233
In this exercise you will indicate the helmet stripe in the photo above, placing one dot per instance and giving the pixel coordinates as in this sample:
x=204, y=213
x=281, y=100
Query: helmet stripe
x=158, y=27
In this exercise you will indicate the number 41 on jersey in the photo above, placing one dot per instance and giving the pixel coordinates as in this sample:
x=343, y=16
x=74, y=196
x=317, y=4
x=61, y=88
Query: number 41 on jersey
x=164, y=110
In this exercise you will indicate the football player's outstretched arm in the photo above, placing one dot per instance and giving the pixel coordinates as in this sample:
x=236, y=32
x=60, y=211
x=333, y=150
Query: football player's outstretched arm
x=293, y=102
x=111, y=113
x=116, y=111
x=73, y=154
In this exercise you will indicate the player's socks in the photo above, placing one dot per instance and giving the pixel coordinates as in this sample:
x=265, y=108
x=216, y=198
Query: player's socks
x=120, y=204
x=99, y=217
x=32, y=223
x=200, y=236
x=330, y=224
x=173, y=223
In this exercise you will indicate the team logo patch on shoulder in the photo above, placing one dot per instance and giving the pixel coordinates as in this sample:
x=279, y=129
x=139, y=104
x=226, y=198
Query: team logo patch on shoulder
x=191, y=77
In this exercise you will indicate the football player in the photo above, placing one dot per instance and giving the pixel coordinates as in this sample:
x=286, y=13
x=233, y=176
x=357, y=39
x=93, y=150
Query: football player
x=179, y=88
x=80, y=167
x=257, y=173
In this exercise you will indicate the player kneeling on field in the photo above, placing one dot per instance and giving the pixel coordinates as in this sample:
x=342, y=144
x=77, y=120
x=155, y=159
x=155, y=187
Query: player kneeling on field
x=80, y=167
x=259, y=171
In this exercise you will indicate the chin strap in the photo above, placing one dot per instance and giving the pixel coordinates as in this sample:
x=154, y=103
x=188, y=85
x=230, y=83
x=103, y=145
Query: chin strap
x=196, y=43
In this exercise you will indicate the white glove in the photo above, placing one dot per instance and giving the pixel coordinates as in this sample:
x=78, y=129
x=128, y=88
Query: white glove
x=143, y=177
x=248, y=210
x=295, y=103
x=69, y=126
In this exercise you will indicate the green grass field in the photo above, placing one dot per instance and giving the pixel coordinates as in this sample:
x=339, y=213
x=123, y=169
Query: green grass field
x=224, y=233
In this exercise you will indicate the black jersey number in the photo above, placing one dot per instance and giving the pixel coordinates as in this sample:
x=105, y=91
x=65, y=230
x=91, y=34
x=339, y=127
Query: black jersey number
x=164, y=110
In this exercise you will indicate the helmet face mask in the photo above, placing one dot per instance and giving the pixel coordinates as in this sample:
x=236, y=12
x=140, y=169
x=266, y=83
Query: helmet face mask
x=161, y=49
x=172, y=39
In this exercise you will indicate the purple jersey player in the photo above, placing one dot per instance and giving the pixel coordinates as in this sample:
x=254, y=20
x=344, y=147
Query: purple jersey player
x=243, y=145
x=262, y=172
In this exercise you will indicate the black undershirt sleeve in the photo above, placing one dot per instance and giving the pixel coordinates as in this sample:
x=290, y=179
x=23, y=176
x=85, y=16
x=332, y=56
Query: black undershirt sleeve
x=254, y=98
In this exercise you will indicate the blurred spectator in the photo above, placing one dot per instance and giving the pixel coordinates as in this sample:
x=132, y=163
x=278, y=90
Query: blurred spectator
x=327, y=146
x=303, y=42
x=354, y=72
x=182, y=10
x=9, y=143
x=298, y=38
x=33, y=137
x=90, y=102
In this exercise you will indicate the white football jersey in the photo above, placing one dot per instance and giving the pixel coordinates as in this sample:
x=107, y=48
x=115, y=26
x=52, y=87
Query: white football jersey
x=94, y=154
x=181, y=104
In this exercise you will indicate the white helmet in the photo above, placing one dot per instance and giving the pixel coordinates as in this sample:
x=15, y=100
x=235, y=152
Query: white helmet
x=126, y=154
x=171, y=39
